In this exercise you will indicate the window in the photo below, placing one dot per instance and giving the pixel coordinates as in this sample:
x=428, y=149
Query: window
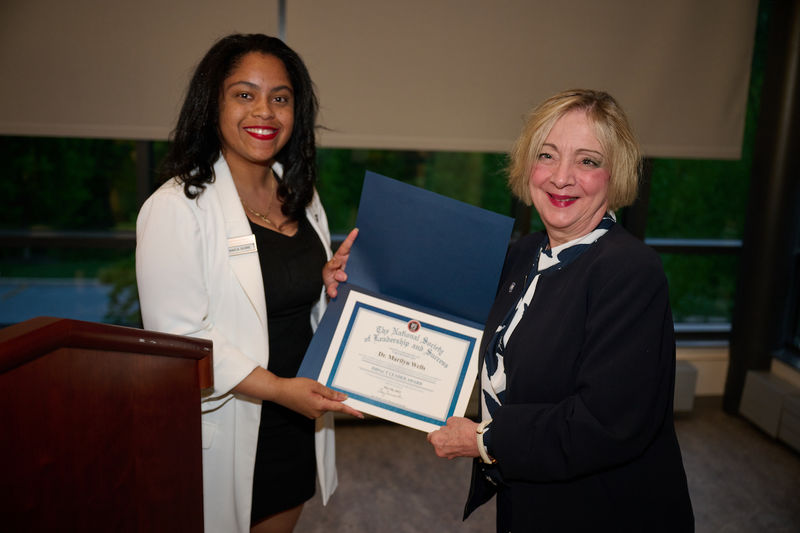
x=789, y=352
x=85, y=192
x=68, y=213
x=473, y=178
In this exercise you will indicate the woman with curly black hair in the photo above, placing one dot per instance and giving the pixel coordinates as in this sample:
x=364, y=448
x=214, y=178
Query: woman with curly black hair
x=238, y=229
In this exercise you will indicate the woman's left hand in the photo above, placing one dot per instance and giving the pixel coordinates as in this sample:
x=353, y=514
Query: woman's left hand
x=333, y=272
x=457, y=439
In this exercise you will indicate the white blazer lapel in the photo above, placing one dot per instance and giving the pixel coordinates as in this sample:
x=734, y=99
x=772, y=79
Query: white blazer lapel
x=246, y=267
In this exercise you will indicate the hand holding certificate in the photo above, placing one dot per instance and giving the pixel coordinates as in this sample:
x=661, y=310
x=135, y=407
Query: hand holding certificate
x=401, y=337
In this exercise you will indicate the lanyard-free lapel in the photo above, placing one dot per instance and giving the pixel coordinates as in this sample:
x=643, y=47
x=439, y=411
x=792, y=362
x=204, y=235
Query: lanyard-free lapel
x=246, y=266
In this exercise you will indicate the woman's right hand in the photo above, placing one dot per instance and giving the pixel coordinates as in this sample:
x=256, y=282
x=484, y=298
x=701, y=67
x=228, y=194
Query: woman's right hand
x=306, y=396
x=458, y=438
x=311, y=398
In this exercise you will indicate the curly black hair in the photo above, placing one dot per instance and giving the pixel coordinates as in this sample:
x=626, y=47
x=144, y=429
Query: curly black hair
x=196, y=141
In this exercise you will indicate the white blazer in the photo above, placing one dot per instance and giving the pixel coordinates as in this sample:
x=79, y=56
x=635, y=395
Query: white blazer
x=189, y=284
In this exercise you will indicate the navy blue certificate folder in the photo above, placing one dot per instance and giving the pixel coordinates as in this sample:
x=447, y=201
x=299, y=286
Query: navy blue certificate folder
x=422, y=250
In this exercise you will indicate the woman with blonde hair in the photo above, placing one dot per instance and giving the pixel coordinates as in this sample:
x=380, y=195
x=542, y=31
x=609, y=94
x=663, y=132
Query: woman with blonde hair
x=578, y=353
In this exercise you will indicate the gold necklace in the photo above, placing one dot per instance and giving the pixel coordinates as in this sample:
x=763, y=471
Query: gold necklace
x=263, y=217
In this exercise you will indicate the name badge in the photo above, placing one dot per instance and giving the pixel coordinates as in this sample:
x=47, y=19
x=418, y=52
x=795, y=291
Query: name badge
x=242, y=245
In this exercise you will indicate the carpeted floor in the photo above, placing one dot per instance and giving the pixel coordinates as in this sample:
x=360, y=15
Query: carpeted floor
x=741, y=480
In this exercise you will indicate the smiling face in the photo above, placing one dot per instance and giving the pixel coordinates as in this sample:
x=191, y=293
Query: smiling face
x=256, y=111
x=569, y=181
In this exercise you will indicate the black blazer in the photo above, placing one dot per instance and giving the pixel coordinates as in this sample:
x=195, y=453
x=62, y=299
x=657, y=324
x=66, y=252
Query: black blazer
x=585, y=440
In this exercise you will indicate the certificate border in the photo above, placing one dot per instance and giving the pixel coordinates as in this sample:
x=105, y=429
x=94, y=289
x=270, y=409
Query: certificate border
x=472, y=341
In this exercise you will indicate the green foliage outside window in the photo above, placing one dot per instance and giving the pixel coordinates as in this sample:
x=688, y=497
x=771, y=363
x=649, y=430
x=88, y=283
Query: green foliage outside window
x=74, y=184
x=473, y=178
x=71, y=184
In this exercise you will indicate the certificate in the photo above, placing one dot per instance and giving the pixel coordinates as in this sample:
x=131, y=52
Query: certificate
x=401, y=364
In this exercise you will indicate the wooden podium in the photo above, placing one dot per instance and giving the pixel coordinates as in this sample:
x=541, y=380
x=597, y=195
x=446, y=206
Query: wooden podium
x=100, y=428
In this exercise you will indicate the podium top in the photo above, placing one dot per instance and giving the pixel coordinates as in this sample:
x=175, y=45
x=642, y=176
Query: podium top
x=33, y=338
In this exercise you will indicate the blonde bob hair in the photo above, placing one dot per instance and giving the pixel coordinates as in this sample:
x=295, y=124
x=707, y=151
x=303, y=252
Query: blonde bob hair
x=613, y=132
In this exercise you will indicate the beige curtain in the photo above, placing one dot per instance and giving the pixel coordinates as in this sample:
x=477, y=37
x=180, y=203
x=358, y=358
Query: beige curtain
x=411, y=74
x=461, y=74
x=109, y=68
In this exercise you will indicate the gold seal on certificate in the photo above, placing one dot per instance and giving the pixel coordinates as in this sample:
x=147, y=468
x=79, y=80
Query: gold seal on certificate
x=401, y=364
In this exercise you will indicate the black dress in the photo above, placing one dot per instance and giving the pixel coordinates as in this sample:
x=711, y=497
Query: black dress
x=285, y=467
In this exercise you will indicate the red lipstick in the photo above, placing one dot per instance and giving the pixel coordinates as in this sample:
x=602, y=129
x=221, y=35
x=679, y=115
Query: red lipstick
x=262, y=133
x=561, y=201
